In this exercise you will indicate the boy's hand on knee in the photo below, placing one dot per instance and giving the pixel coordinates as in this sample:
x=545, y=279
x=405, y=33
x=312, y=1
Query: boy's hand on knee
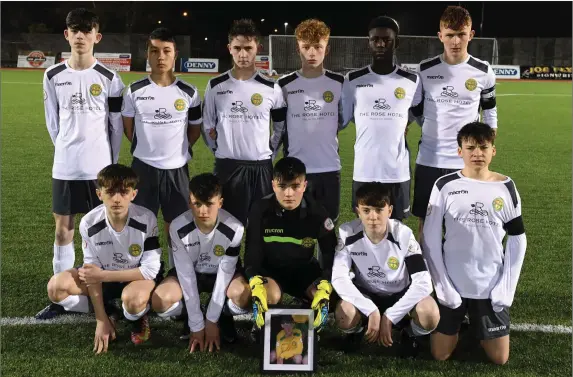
x=371, y=334
x=385, y=336
x=91, y=274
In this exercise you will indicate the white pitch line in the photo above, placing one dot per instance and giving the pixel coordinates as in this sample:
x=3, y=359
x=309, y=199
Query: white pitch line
x=89, y=318
x=532, y=94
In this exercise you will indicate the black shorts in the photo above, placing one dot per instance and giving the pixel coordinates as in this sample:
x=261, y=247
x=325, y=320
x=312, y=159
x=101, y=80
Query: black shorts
x=72, y=197
x=165, y=188
x=295, y=281
x=486, y=323
x=383, y=302
x=325, y=189
x=206, y=282
x=400, y=198
x=244, y=182
x=424, y=179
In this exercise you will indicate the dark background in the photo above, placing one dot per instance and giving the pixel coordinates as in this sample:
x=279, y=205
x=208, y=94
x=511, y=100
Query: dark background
x=212, y=19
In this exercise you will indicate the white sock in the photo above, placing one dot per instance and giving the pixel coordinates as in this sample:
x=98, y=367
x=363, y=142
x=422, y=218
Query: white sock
x=353, y=330
x=170, y=256
x=234, y=309
x=76, y=303
x=173, y=311
x=134, y=317
x=64, y=257
x=418, y=330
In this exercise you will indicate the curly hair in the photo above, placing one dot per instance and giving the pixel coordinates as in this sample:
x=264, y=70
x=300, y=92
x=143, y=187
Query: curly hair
x=455, y=18
x=312, y=31
x=246, y=28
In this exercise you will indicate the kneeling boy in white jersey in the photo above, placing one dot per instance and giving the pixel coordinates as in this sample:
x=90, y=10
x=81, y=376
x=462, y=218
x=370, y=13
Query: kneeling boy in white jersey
x=122, y=259
x=472, y=271
x=206, y=241
x=391, y=278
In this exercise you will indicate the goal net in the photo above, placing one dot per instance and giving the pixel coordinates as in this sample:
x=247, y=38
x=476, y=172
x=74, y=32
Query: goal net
x=348, y=53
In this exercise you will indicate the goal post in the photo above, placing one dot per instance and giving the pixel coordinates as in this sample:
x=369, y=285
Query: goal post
x=348, y=53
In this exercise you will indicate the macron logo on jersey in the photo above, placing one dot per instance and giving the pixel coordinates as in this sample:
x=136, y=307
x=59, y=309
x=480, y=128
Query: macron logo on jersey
x=365, y=86
x=225, y=92
x=148, y=98
x=63, y=83
x=296, y=91
x=359, y=253
x=436, y=77
x=458, y=192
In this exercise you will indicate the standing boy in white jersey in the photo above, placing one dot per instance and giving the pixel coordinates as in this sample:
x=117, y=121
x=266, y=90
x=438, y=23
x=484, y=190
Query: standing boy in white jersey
x=391, y=279
x=82, y=103
x=162, y=119
x=122, y=259
x=472, y=271
x=206, y=243
x=456, y=86
x=239, y=106
x=313, y=97
x=378, y=98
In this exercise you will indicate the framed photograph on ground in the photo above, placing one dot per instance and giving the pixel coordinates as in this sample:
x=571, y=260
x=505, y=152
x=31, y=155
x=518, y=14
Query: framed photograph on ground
x=289, y=341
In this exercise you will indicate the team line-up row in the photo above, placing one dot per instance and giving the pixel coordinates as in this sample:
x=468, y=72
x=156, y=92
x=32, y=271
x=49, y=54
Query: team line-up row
x=292, y=207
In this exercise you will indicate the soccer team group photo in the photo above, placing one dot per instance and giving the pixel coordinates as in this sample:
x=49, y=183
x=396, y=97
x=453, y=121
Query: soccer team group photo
x=428, y=250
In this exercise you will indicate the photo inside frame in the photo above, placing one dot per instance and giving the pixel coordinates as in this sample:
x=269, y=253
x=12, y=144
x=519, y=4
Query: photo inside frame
x=289, y=343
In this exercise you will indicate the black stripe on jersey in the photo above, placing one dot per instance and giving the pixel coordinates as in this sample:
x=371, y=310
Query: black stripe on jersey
x=270, y=84
x=393, y=240
x=350, y=240
x=430, y=63
x=217, y=80
x=359, y=73
x=151, y=243
x=182, y=232
x=283, y=81
x=54, y=71
x=233, y=251
x=514, y=227
x=409, y=75
x=441, y=182
x=137, y=225
x=226, y=230
x=279, y=115
x=186, y=88
x=139, y=84
x=104, y=71
x=415, y=263
x=334, y=76
x=114, y=104
x=511, y=188
x=194, y=113
x=479, y=65
x=488, y=103
x=96, y=228
x=418, y=110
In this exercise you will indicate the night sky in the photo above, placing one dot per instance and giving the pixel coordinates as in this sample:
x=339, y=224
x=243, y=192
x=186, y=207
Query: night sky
x=212, y=19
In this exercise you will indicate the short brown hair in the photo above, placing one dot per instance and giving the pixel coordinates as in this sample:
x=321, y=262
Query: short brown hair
x=246, y=28
x=116, y=178
x=374, y=194
x=312, y=31
x=455, y=18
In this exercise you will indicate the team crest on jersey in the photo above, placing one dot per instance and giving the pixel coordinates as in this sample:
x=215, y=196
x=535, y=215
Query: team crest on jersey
x=307, y=242
x=95, y=90
x=179, y=104
x=256, y=99
x=498, y=204
x=134, y=250
x=328, y=96
x=471, y=84
x=393, y=263
x=219, y=250
x=328, y=224
x=400, y=93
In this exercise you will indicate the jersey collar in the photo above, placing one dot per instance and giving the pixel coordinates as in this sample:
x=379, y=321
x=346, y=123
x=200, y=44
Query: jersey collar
x=302, y=208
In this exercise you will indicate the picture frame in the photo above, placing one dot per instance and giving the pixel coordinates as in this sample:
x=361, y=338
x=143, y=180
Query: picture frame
x=288, y=333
